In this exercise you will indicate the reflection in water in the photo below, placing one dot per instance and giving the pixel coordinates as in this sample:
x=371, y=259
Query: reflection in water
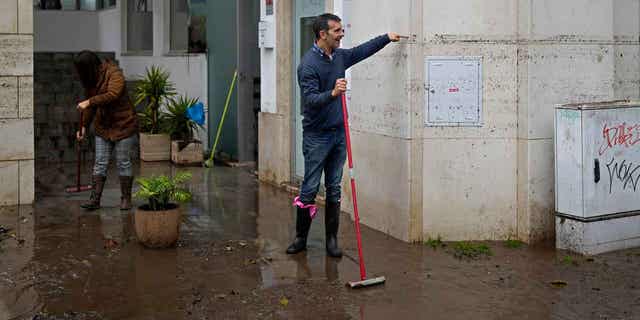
x=18, y=297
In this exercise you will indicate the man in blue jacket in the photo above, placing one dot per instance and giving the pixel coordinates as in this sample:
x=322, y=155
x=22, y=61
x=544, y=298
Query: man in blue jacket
x=321, y=79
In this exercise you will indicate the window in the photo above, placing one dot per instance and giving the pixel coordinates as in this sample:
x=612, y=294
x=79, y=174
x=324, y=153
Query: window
x=179, y=22
x=188, y=26
x=87, y=5
x=139, y=26
x=105, y=4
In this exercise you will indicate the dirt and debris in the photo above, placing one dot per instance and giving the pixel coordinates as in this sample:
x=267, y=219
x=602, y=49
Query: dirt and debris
x=4, y=233
x=111, y=244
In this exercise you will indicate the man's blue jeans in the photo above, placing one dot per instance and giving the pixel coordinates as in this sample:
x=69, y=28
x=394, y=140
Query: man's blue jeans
x=323, y=151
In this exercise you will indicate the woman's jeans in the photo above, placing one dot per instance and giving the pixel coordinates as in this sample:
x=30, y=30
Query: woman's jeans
x=323, y=151
x=123, y=149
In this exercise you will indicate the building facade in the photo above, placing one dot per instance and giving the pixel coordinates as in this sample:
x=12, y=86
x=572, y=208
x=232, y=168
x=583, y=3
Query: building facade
x=470, y=176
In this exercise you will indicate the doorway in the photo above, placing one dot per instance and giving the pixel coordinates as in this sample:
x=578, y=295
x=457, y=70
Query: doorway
x=305, y=12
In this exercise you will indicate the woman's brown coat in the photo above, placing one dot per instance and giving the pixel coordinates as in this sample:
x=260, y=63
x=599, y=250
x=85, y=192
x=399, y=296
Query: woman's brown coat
x=109, y=105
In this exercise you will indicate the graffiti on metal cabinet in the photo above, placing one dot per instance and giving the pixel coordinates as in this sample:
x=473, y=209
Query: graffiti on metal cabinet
x=619, y=135
x=623, y=173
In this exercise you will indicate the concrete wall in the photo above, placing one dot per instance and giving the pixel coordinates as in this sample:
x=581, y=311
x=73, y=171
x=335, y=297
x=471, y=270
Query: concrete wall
x=379, y=112
x=470, y=173
x=16, y=102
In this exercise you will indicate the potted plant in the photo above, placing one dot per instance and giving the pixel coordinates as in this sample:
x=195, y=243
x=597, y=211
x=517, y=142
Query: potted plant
x=180, y=126
x=157, y=223
x=153, y=89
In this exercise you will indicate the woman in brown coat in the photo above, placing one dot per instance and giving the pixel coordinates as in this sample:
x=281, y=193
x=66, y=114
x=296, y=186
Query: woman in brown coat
x=109, y=108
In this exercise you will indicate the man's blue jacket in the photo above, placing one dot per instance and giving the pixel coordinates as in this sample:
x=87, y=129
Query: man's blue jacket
x=317, y=75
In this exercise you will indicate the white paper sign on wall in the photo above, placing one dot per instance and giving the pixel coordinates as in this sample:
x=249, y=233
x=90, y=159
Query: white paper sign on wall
x=453, y=91
x=266, y=34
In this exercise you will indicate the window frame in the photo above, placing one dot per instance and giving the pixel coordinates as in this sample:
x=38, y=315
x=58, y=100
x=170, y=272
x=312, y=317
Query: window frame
x=170, y=16
x=125, y=30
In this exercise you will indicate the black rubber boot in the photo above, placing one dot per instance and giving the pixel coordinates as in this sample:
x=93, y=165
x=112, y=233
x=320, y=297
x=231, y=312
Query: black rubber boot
x=96, y=193
x=126, y=184
x=303, y=223
x=332, y=223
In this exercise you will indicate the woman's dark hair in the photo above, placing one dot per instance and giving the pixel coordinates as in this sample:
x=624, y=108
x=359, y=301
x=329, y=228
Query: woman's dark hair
x=322, y=23
x=87, y=66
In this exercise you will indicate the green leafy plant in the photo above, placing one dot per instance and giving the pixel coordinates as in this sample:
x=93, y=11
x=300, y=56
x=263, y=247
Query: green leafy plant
x=159, y=191
x=145, y=121
x=178, y=125
x=152, y=90
x=435, y=243
x=513, y=244
x=471, y=250
x=569, y=260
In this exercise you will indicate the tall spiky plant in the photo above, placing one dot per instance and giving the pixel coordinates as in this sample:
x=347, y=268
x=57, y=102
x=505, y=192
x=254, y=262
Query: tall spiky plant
x=159, y=191
x=153, y=89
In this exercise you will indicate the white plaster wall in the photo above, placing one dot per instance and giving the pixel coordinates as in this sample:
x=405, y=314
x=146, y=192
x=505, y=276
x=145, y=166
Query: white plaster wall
x=109, y=28
x=188, y=73
x=64, y=30
x=61, y=30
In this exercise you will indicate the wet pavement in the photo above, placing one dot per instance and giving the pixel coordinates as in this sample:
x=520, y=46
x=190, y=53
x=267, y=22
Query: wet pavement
x=60, y=262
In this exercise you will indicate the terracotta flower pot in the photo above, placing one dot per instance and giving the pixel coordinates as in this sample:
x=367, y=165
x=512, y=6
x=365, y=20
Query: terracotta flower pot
x=158, y=229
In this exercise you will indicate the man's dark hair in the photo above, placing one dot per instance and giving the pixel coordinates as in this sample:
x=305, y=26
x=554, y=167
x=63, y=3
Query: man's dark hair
x=87, y=65
x=322, y=23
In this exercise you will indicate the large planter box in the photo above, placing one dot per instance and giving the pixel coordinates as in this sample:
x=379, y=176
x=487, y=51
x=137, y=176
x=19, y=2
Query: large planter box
x=155, y=147
x=191, y=154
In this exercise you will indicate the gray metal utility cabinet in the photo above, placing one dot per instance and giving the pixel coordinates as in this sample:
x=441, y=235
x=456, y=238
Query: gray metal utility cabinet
x=597, y=175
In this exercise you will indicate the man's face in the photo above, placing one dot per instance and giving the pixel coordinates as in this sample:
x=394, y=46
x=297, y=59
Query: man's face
x=333, y=36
